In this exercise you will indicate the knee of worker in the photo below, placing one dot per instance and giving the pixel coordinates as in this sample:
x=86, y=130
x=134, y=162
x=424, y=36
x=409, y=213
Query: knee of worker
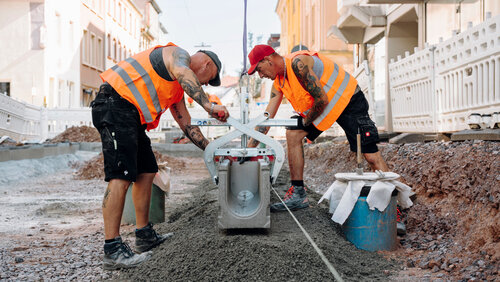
x=119, y=184
x=295, y=136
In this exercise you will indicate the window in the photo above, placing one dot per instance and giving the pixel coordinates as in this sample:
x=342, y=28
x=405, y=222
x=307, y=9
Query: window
x=313, y=17
x=114, y=50
x=71, y=87
x=109, y=44
x=85, y=47
x=124, y=18
x=119, y=57
x=119, y=19
x=37, y=18
x=5, y=88
x=130, y=22
x=100, y=52
x=60, y=91
x=92, y=49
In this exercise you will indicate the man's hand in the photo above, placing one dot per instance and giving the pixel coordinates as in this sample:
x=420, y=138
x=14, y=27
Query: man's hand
x=219, y=112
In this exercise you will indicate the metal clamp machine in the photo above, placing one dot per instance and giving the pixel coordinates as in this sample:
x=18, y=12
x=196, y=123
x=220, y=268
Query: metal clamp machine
x=244, y=188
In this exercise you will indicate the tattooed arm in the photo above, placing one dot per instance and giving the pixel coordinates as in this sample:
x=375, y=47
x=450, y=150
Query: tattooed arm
x=302, y=67
x=178, y=65
x=181, y=115
x=272, y=109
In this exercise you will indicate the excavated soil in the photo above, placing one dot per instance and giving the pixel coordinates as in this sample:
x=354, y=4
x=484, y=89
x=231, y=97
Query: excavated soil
x=200, y=252
x=77, y=134
x=453, y=230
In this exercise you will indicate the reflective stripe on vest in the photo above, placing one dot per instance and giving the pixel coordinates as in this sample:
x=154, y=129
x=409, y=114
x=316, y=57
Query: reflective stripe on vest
x=137, y=95
x=137, y=82
x=337, y=95
x=338, y=85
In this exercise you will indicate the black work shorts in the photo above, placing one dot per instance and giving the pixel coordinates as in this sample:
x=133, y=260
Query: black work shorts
x=354, y=116
x=126, y=147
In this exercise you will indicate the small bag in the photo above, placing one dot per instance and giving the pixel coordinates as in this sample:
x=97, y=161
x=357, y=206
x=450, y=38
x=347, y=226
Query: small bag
x=368, y=130
x=162, y=178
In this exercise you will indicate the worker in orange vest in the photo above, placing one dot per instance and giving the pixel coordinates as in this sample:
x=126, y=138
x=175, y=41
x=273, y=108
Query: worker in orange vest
x=132, y=98
x=214, y=99
x=321, y=93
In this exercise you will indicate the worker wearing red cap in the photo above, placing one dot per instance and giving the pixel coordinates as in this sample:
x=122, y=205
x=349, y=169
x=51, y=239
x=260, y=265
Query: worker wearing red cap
x=321, y=93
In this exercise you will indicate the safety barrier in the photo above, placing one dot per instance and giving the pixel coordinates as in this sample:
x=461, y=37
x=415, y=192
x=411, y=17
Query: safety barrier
x=22, y=121
x=411, y=80
x=437, y=88
x=468, y=71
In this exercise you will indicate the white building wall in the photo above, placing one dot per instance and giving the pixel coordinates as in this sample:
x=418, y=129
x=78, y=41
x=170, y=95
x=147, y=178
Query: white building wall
x=62, y=53
x=21, y=66
x=29, y=67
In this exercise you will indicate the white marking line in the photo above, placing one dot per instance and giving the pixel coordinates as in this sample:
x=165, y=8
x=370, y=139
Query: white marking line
x=316, y=248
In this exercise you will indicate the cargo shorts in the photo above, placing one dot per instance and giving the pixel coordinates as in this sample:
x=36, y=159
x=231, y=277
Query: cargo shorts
x=354, y=117
x=126, y=147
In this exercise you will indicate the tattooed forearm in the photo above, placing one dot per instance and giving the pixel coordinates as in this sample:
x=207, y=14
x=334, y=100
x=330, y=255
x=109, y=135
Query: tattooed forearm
x=176, y=111
x=194, y=134
x=106, y=196
x=262, y=129
x=312, y=85
x=187, y=79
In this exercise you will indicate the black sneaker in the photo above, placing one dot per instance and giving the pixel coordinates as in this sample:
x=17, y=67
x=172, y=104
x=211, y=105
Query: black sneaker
x=146, y=238
x=118, y=255
x=295, y=198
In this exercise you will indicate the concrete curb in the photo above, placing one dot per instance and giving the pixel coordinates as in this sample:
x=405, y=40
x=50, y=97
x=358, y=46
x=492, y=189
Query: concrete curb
x=36, y=151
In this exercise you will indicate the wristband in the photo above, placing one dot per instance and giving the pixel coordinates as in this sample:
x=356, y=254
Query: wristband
x=212, y=109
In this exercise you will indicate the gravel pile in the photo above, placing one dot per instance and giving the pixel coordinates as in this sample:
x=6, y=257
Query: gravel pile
x=454, y=226
x=77, y=134
x=94, y=168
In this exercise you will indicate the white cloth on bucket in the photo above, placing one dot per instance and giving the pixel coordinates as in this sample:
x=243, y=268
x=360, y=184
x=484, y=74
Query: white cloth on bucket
x=344, y=192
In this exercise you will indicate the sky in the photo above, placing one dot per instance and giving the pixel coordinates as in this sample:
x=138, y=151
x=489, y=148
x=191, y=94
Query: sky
x=219, y=23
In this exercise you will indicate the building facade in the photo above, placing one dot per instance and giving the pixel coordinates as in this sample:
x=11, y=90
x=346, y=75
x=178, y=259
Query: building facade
x=69, y=44
x=39, y=62
x=307, y=22
x=384, y=32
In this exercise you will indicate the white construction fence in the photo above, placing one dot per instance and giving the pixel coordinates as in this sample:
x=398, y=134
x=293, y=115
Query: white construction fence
x=25, y=122
x=436, y=89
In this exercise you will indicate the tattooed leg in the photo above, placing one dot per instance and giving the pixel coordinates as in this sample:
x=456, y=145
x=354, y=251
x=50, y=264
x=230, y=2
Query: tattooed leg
x=112, y=207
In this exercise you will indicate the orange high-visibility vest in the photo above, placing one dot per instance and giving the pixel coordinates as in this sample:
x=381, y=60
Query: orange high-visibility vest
x=338, y=85
x=137, y=82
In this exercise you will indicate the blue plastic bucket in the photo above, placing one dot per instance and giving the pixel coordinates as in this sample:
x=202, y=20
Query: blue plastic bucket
x=372, y=230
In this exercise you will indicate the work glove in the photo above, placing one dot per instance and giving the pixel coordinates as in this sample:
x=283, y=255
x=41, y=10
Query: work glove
x=300, y=124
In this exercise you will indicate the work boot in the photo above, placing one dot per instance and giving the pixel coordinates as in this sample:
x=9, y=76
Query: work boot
x=295, y=198
x=146, y=238
x=118, y=255
x=400, y=226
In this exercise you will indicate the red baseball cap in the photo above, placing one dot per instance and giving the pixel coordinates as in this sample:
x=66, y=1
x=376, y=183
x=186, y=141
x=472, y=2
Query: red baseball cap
x=257, y=54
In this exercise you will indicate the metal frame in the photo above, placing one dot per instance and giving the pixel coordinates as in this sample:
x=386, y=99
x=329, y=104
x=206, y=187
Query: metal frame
x=247, y=129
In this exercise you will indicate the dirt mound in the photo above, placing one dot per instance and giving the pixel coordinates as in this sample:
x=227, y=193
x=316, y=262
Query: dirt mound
x=78, y=134
x=94, y=168
x=199, y=251
x=454, y=226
